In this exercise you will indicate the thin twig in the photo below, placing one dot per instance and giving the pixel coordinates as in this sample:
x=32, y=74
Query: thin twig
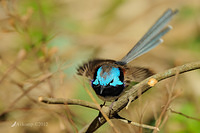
x=100, y=109
x=18, y=69
x=68, y=102
x=169, y=101
x=20, y=57
x=140, y=125
x=190, y=117
x=22, y=89
x=40, y=80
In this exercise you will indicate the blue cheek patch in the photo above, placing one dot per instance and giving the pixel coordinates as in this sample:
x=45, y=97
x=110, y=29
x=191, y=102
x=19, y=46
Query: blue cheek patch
x=113, y=75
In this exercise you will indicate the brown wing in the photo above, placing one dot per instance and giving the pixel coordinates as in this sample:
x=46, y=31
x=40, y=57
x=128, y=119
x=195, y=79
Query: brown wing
x=88, y=69
x=137, y=74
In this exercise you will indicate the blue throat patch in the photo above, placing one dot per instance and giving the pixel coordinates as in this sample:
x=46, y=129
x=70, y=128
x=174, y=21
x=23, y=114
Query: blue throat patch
x=106, y=78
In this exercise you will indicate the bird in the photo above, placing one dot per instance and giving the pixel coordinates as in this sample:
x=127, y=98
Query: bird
x=109, y=78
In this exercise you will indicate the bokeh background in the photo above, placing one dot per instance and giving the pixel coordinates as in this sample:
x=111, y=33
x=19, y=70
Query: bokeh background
x=43, y=42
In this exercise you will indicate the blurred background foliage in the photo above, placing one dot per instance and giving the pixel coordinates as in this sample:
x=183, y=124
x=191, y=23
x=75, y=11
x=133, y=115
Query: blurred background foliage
x=43, y=42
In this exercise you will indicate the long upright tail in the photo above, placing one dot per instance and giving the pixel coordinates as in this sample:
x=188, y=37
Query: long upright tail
x=152, y=38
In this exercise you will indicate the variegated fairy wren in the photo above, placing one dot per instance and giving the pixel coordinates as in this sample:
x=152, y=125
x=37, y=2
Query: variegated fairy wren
x=109, y=78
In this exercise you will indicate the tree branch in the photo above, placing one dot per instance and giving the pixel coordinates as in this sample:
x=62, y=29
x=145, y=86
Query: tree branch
x=130, y=95
x=68, y=102
x=190, y=117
